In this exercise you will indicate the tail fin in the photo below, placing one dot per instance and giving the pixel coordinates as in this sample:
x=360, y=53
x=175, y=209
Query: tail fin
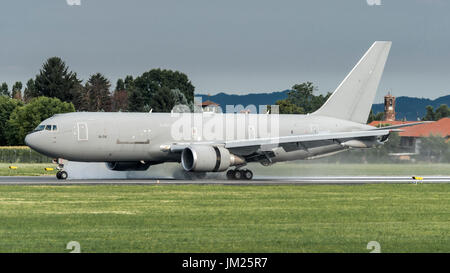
x=353, y=98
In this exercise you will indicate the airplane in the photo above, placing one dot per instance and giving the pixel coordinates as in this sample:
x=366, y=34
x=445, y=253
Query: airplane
x=136, y=141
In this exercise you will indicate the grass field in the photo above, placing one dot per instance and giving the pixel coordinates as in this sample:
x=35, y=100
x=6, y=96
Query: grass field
x=26, y=169
x=321, y=218
x=280, y=169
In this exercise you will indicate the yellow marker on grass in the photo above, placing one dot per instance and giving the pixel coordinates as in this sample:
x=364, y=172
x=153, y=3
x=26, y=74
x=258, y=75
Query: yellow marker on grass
x=48, y=169
x=13, y=167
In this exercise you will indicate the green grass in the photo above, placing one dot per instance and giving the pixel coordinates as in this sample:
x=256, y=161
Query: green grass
x=26, y=169
x=193, y=218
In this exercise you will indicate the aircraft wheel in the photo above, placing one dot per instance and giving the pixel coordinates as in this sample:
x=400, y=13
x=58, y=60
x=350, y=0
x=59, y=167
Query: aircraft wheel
x=237, y=175
x=62, y=175
x=248, y=175
x=230, y=174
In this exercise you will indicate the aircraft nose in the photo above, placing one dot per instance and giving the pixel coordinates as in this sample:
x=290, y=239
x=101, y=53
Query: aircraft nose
x=30, y=140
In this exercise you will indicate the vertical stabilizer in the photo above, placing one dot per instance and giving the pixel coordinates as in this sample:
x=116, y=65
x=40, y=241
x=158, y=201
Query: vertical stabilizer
x=353, y=98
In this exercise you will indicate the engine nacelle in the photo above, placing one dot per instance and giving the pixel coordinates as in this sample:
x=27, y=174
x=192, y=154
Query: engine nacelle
x=206, y=158
x=128, y=166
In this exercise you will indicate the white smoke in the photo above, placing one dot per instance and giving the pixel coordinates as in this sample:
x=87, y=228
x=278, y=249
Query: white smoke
x=98, y=170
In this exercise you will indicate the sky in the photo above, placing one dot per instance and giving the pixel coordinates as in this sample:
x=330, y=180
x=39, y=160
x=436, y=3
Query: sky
x=232, y=46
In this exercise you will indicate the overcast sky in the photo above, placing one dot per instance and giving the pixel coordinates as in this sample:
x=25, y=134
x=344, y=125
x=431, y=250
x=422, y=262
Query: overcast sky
x=232, y=46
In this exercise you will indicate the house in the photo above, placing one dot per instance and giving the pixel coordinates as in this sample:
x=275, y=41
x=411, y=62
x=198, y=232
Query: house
x=410, y=137
x=209, y=106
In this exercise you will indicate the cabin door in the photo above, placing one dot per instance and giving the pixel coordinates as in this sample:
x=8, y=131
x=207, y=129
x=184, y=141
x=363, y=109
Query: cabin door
x=82, y=131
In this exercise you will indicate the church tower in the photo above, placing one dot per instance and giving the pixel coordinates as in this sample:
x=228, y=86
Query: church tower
x=389, y=107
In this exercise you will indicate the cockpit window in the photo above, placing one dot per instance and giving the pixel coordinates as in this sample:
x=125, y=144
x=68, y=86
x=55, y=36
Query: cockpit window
x=53, y=128
x=39, y=128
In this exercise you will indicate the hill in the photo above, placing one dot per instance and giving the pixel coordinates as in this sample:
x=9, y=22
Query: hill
x=412, y=108
x=406, y=107
x=254, y=98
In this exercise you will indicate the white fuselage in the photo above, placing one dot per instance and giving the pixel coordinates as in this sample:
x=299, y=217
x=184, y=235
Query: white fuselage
x=108, y=137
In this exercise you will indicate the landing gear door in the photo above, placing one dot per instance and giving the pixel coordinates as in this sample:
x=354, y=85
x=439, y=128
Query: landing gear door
x=82, y=131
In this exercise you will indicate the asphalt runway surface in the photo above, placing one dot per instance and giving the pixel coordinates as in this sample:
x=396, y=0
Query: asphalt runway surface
x=339, y=180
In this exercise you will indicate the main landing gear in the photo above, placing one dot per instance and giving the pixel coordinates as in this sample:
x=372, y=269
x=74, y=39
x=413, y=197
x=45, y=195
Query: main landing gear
x=243, y=174
x=61, y=174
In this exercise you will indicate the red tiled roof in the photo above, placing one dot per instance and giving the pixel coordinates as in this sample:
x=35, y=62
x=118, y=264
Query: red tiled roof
x=440, y=127
x=385, y=122
x=208, y=103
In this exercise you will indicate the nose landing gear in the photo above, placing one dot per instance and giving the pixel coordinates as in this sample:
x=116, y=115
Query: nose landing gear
x=61, y=174
x=243, y=174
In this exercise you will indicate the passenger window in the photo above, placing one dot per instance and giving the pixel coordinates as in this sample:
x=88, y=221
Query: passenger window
x=55, y=128
x=48, y=127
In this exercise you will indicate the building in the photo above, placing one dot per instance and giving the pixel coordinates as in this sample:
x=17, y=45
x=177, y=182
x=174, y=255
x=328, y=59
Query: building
x=389, y=107
x=389, y=113
x=209, y=106
x=410, y=136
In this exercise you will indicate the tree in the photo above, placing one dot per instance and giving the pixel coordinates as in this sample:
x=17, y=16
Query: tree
x=7, y=106
x=56, y=81
x=119, y=101
x=129, y=82
x=379, y=116
x=286, y=107
x=16, y=92
x=135, y=100
x=302, y=95
x=372, y=117
x=301, y=99
x=25, y=118
x=120, y=85
x=4, y=89
x=146, y=87
x=430, y=113
x=442, y=111
x=434, y=147
x=97, y=93
x=30, y=91
x=163, y=100
x=81, y=99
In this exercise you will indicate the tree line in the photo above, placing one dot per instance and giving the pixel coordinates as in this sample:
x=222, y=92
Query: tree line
x=56, y=89
x=156, y=89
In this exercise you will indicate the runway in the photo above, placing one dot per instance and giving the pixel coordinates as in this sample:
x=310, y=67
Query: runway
x=258, y=180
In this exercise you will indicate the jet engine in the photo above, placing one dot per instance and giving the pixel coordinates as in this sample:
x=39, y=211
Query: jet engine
x=128, y=166
x=206, y=158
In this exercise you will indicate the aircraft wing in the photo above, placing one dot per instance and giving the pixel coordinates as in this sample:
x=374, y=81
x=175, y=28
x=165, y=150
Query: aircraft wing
x=340, y=137
x=305, y=138
x=401, y=125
